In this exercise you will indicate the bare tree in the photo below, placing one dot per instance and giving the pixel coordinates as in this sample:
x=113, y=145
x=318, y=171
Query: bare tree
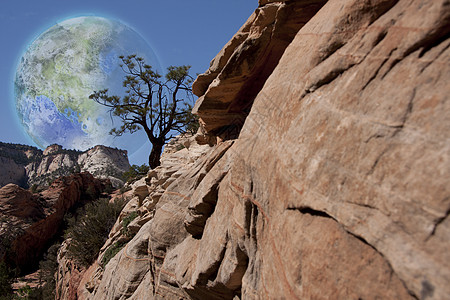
x=160, y=106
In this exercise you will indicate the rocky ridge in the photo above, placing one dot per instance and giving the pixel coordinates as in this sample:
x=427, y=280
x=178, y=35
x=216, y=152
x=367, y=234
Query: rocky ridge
x=27, y=166
x=327, y=180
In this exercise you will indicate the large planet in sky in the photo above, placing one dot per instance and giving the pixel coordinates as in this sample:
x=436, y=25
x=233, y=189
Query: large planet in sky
x=61, y=68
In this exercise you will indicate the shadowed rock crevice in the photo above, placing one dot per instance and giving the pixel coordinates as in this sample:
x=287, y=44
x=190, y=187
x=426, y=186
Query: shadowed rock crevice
x=198, y=214
x=321, y=214
x=430, y=39
x=312, y=212
x=251, y=217
x=439, y=221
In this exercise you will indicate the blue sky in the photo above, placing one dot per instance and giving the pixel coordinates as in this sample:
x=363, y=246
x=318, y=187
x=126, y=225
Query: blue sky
x=180, y=32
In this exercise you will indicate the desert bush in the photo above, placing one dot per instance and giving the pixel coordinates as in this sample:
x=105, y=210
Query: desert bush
x=126, y=221
x=47, y=269
x=125, y=189
x=117, y=246
x=34, y=188
x=180, y=147
x=89, y=231
x=28, y=293
x=134, y=171
x=5, y=282
x=111, y=252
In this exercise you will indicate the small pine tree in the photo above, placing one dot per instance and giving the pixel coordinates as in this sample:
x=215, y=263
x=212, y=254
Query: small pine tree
x=134, y=171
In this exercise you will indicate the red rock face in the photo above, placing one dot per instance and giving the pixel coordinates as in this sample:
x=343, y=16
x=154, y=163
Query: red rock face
x=29, y=221
x=339, y=166
x=337, y=186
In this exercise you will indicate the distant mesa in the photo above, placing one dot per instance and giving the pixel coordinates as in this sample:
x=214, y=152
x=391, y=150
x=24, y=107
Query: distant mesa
x=27, y=166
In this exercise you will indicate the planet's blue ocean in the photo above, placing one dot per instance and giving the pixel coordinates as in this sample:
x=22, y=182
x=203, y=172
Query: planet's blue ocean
x=49, y=123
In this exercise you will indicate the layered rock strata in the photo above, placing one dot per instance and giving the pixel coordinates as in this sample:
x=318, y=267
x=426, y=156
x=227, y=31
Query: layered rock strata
x=337, y=186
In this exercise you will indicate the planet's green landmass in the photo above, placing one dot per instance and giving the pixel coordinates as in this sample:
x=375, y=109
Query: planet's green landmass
x=59, y=71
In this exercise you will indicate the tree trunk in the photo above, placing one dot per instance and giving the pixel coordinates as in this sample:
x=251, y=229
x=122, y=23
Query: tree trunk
x=155, y=156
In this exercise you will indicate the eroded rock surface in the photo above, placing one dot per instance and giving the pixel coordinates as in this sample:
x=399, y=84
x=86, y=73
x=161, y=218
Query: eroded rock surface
x=239, y=71
x=337, y=185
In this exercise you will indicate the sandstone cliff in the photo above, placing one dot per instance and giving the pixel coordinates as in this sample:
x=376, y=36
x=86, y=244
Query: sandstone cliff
x=27, y=166
x=328, y=174
x=75, y=282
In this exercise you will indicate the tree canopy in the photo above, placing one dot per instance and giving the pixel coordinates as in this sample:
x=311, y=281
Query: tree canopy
x=161, y=106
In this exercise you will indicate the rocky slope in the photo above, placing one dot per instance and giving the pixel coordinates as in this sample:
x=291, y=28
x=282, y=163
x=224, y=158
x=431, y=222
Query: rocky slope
x=75, y=282
x=29, y=221
x=328, y=174
x=27, y=166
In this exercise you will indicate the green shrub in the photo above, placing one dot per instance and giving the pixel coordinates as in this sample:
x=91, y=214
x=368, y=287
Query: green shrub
x=108, y=189
x=24, y=292
x=47, y=269
x=180, y=147
x=134, y=171
x=91, y=192
x=111, y=252
x=34, y=188
x=90, y=230
x=5, y=282
x=126, y=221
x=125, y=188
